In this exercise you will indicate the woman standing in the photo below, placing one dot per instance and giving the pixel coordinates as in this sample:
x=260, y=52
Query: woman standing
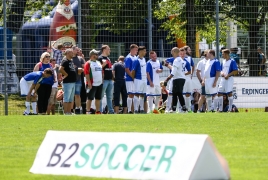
x=44, y=90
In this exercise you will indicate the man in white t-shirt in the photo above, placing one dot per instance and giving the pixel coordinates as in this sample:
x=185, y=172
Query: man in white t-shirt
x=178, y=76
x=153, y=68
x=200, y=75
x=94, y=75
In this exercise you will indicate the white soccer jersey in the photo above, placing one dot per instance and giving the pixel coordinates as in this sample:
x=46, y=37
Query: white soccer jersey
x=211, y=68
x=201, y=67
x=151, y=68
x=228, y=66
x=178, y=68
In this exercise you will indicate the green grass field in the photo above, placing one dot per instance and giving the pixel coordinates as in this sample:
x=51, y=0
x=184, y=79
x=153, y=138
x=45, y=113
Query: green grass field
x=240, y=137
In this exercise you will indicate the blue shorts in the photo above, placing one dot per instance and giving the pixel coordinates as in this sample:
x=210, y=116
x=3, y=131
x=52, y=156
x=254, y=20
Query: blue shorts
x=68, y=89
x=78, y=86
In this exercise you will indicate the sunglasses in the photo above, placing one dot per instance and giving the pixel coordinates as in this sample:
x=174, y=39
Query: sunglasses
x=47, y=56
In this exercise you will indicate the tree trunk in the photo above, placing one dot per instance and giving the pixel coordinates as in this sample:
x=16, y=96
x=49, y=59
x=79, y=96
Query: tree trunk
x=191, y=26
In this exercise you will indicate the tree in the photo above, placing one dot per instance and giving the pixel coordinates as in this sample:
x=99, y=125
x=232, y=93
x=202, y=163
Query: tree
x=251, y=15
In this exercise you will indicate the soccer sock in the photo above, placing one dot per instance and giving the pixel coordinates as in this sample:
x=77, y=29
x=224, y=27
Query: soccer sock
x=179, y=106
x=129, y=103
x=231, y=99
x=169, y=101
x=187, y=103
x=209, y=102
x=136, y=103
x=142, y=103
x=215, y=101
x=156, y=101
x=220, y=99
x=150, y=99
x=34, y=107
x=27, y=104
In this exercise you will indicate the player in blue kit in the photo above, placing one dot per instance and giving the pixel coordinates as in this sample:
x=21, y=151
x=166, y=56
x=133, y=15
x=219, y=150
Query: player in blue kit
x=28, y=87
x=228, y=70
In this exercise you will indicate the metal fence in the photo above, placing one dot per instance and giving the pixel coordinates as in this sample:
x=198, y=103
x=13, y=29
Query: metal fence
x=159, y=25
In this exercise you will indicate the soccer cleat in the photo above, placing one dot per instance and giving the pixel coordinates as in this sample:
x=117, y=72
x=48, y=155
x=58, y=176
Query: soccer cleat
x=155, y=111
x=142, y=112
x=25, y=113
x=171, y=111
x=166, y=111
x=77, y=111
x=130, y=112
x=198, y=111
x=98, y=112
x=136, y=112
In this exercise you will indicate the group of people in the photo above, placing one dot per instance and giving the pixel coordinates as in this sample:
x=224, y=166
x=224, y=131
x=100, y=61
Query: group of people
x=131, y=84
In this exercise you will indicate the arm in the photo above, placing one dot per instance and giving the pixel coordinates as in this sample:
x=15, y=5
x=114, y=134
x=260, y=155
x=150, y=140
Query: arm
x=63, y=72
x=216, y=78
x=36, y=88
x=30, y=91
x=133, y=73
x=198, y=75
x=128, y=72
x=104, y=63
x=192, y=71
x=88, y=81
x=36, y=67
x=149, y=79
x=113, y=74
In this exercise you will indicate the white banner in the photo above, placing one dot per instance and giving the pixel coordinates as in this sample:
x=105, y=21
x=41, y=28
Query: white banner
x=130, y=156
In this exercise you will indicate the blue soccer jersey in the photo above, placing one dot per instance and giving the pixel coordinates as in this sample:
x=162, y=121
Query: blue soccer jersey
x=228, y=66
x=34, y=76
x=211, y=68
x=151, y=68
x=128, y=64
x=170, y=61
x=139, y=66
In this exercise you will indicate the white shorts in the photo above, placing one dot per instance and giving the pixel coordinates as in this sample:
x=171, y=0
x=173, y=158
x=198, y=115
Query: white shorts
x=208, y=86
x=153, y=91
x=187, y=88
x=226, y=86
x=140, y=86
x=25, y=86
x=170, y=86
x=130, y=87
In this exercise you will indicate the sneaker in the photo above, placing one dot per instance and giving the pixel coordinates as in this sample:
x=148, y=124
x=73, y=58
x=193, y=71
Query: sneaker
x=155, y=111
x=77, y=111
x=111, y=113
x=142, y=112
x=130, y=112
x=98, y=112
x=25, y=113
x=33, y=113
x=136, y=112
x=170, y=111
x=166, y=111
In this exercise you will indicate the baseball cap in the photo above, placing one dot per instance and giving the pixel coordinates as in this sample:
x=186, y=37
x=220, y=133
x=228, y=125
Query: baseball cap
x=93, y=51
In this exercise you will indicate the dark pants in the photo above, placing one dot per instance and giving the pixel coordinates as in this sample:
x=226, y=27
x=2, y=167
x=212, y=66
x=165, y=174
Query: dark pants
x=177, y=92
x=44, y=92
x=120, y=88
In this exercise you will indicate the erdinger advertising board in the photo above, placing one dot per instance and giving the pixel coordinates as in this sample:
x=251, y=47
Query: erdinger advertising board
x=130, y=156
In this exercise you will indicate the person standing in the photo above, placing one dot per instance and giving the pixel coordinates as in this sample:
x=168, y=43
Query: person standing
x=261, y=62
x=108, y=78
x=94, y=76
x=153, y=68
x=79, y=67
x=52, y=99
x=188, y=81
x=129, y=80
x=28, y=84
x=211, y=75
x=69, y=78
x=119, y=85
x=178, y=76
x=200, y=70
x=228, y=70
x=57, y=52
x=139, y=75
x=44, y=90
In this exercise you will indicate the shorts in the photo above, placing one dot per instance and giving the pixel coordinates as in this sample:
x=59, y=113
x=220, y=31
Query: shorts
x=170, y=86
x=153, y=91
x=226, y=86
x=69, y=89
x=25, y=86
x=130, y=87
x=78, y=86
x=140, y=86
x=95, y=92
x=187, y=88
x=52, y=99
x=208, y=87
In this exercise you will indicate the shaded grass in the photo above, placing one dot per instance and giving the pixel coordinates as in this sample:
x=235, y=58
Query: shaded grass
x=240, y=137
